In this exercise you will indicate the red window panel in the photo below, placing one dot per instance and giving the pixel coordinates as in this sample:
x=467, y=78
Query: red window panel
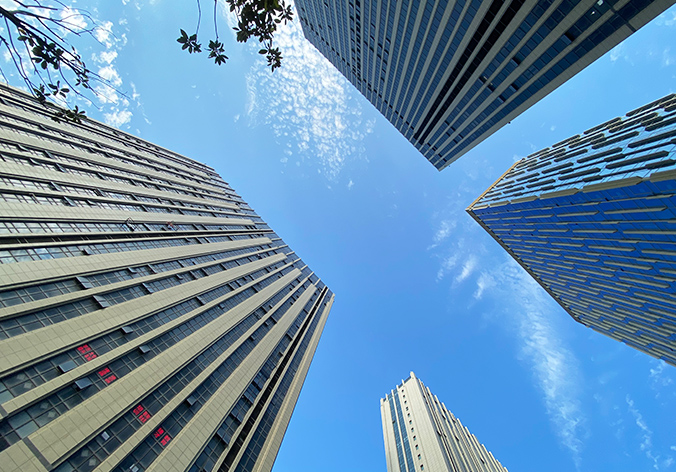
x=110, y=379
x=87, y=352
x=137, y=411
x=165, y=440
x=84, y=348
x=108, y=376
x=143, y=417
x=158, y=433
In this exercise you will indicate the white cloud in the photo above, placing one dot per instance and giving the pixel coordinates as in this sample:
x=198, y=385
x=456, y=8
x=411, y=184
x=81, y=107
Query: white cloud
x=667, y=18
x=554, y=366
x=646, y=433
x=658, y=376
x=661, y=381
x=111, y=75
x=116, y=105
x=117, y=118
x=107, y=57
x=620, y=52
x=103, y=33
x=447, y=265
x=350, y=184
x=308, y=103
x=106, y=95
x=484, y=282
x=467, y=269
x=73, y=18
x=525, y=309
x=616, y=52
x=444, y=231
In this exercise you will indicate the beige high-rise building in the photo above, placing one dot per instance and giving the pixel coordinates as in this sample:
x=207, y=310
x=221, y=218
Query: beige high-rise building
x=149, y=319
x=422, y=435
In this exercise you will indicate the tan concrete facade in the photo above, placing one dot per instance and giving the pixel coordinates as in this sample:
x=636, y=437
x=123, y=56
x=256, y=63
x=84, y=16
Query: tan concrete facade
x=149, y=319
x=421, y=434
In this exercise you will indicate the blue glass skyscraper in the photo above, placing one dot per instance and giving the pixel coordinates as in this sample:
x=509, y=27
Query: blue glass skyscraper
x=593, y=220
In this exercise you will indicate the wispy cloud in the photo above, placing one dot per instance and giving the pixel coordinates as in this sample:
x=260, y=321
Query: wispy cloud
x=554, y=366
x=104, y=34
x=646, y=444
x=444, y=230
x=525, y=309
x=447, y=264
x=617, y=52
x=309, y=104
x=483, y=283
x=73, y=18
x=668, y=18
x=528, y=311
x=467, y=269
x=661, y=381
x=117, y=118
x=459, y=257
x=668, y=59
x=116, y=107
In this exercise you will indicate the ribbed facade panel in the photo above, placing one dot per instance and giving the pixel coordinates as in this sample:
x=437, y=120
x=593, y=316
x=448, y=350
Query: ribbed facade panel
x=448, y=74
x=421, y=434
x=149, y=318
x=593, y=220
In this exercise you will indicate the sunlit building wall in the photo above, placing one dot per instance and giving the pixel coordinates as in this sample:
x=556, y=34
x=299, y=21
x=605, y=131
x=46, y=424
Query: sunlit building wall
x=149, y=319
x=448, y=74
x=421, y=434
x=593, y=220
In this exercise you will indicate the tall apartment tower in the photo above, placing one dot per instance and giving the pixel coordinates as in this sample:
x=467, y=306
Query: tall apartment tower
x=593, y=220
x=149, y=319
x=448, y=74
x=422, y=435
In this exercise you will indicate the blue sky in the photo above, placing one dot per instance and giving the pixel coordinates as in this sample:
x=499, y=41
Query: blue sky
x=419, y=286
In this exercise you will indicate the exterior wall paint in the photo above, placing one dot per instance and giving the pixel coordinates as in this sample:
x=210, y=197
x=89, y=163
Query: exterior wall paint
x=423, y=435
x=149, y=318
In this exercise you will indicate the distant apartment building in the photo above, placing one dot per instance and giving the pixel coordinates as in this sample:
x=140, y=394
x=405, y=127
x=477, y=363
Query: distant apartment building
x=421, y=434
x=448, y=74
x=593, y=220
x=149, y=319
